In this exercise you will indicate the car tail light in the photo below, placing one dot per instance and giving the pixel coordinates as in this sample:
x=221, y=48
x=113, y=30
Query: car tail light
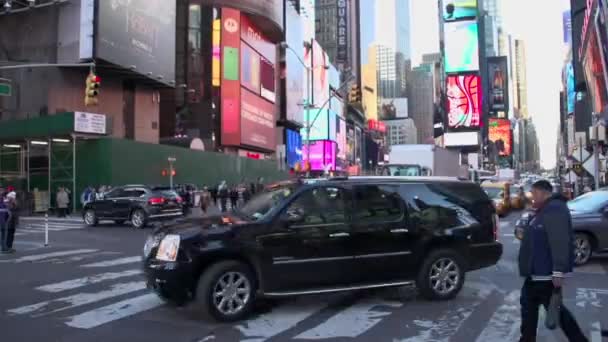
x=496, y=223
x=156, y=201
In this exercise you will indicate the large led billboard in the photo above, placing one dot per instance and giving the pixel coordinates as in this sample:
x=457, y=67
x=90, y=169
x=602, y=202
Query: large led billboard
x=138, y=35
x=293, y=147
x=257, y=121
x=498, y=73
x=461, y=43
x=571, y=93
x=499, y=132
x=323, y=124
x=459, y=9
x=322, y=155
x=464, y=101
x=295, y=71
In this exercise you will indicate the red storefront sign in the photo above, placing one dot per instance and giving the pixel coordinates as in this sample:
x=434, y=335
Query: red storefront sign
x=377, y=126
x=231, y=85
x=256, y=39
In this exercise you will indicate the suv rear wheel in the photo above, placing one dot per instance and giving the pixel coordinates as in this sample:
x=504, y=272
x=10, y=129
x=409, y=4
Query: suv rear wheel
x=90, y=218
x=138, y=219
x=226, y=291
x=582, y=249
x=441, y=276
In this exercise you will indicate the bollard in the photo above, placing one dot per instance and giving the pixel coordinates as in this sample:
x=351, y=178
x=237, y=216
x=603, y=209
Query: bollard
x=46, y=229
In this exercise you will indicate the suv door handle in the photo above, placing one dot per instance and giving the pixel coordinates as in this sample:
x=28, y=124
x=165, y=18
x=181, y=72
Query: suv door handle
x=399, y=231
x=335, y=235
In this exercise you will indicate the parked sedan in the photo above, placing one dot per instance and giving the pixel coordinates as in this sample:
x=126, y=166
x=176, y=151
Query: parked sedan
x=590, y=219
x=136, y=203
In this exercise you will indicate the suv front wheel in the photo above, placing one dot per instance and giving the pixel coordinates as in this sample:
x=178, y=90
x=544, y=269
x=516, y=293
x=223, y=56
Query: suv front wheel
x=441, y=276
x=226, y=291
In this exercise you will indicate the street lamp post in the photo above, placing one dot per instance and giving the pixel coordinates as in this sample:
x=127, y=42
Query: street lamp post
x=171, y=160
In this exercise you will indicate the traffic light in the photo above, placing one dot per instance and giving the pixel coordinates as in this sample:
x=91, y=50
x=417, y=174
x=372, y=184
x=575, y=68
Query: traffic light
x=92, y=90
x=354, y=95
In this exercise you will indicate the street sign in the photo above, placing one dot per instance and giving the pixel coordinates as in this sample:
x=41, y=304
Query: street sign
x=5, y=89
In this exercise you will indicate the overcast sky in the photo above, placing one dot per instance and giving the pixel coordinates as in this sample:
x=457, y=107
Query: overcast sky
x=539, y=24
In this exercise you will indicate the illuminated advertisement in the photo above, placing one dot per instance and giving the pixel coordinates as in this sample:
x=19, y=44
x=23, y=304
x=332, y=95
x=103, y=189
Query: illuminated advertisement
x=261, y=58
x=594, y=74
x=267, y=9
x=459, y=9
x=461, y=46
x=250, y=68
x=257, y=121
x=320, y=75
x=499, y=83
x=464, y=101
x=230, y=83
x=322, y=155
x=293, y=147
x=320, y=124
x=341, y=138
x=571, y=93
x=499, y=132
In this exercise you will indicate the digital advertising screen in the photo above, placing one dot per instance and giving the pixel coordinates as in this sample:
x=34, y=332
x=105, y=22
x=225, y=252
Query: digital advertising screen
x=499, y=132
x=499, y=83
x=459, y=9
x=322, y=155
x=293, y=146
x=571, y=92
x=140, y=34
x=464, y=101
x=257, y=121
x=295, y=79
x=461, y=43
x=320, y=127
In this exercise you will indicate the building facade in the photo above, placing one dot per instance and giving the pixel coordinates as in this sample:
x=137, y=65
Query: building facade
x=420, y=103
x=520, y=80
x=401, y=131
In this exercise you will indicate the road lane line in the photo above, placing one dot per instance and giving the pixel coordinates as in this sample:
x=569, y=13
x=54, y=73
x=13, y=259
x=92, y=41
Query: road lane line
x=116, y=311
x=79, y=299
x=39, y=257
x=85, y=281
x=277, y=321
x=351, y=322
x=596, y=332
x=504, y=323
x=115, y=262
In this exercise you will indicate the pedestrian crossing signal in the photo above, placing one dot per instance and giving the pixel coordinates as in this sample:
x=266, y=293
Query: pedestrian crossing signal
x=92, y=90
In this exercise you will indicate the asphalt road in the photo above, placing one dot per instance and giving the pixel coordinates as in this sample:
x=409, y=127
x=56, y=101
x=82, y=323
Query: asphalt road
x=87, y=286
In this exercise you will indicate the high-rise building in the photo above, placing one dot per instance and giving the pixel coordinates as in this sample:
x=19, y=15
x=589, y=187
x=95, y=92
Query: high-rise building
x=420, y=102
x=493, y=27
x=401, y=131
x=520, y=85
x=326, y=30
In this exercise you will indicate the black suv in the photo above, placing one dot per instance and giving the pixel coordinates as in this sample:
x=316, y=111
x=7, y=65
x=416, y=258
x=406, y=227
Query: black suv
x=326, y=236
x=136, y=203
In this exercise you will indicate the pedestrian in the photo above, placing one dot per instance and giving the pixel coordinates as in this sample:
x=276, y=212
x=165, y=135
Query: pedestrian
x=100, y=193
x=63, y=201
x=205, y=199
x=546, y=258
x=4, y=215
x=223, y=195
x=246, y=193
x=214, y=194
x=12, y=220
x=260, y=185
x=234, y=197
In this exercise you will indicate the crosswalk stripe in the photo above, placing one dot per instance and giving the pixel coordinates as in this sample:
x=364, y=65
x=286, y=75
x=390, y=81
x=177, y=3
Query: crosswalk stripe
x=39, y=257
x=115, y=262
x=85, y=281
x=116, y=311
x=596, y=332
x=277, y=321
x=504, y=323
x=80, y=299
x=351, y=322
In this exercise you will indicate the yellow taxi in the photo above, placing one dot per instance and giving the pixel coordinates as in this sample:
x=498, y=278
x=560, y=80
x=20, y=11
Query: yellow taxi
x=499, y=193
x=518, y=197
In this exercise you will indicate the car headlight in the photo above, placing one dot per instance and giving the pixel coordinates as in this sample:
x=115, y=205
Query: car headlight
x=169, y=246
x=151, y=242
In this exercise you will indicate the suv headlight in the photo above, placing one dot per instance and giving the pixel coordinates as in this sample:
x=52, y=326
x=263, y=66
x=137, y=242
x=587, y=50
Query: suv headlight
x=169, y=246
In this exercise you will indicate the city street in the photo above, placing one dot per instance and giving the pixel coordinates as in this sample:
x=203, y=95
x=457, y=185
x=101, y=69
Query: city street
x=87, y=286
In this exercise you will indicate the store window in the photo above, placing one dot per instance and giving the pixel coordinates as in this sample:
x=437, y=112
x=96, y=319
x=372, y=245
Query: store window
x=194, y=28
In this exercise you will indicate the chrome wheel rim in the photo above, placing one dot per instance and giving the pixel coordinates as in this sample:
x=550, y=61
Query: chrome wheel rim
x=582, y=250
x=89, y=217
x=231, y=293
x=137, y=219
x=444, y=276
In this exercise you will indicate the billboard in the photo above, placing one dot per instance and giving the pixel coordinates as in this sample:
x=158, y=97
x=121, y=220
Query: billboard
x=138, y=35
x=570, y=90
x=459, y=9
x=268, y=9
x=499, y=132
x=257, y=121
x=461, y=43
x=320, y=74
x=499, y=82
x=230, y=83
x=295, y=71
x=464, y=101
x=320, y=127
x=342, y=32
x=567, y=27
x=293, y=147
x=322, y=155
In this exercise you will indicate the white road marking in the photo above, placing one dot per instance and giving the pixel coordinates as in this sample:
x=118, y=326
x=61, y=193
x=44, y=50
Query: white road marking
x=278, y=320
x=116, y=311
x=504, y=323
x=351, y=322
x=508, y=235
x=115, y=262
x=589, y=296
x=85, y=281
x=39, y=257
x=44, y=308
x=596, y=332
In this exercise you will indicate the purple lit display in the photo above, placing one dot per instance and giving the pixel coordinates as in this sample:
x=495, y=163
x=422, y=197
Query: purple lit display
x=322, y=155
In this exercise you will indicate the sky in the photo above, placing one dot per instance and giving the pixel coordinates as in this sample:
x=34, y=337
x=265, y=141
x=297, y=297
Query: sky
x=545, y=56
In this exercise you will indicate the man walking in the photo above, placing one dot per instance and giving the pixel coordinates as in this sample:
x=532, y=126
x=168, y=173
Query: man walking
x=546, y=257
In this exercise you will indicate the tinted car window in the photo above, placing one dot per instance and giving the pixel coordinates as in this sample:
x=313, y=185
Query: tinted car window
x=323, y=205
x=263, y=203
x=375, y=203
x=115, y=193
x=133, y=193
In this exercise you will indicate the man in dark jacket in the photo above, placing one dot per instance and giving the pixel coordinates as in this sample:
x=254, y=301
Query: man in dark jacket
x=546, y=257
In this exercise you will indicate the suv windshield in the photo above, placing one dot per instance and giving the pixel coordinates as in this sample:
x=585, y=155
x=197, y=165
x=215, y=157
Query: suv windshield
x=404, y=170
x=494, y=193
x=260, y=205
x=589, y=202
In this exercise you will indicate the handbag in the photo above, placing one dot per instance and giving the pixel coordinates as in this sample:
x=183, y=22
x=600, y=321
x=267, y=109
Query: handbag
x=554, y=309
